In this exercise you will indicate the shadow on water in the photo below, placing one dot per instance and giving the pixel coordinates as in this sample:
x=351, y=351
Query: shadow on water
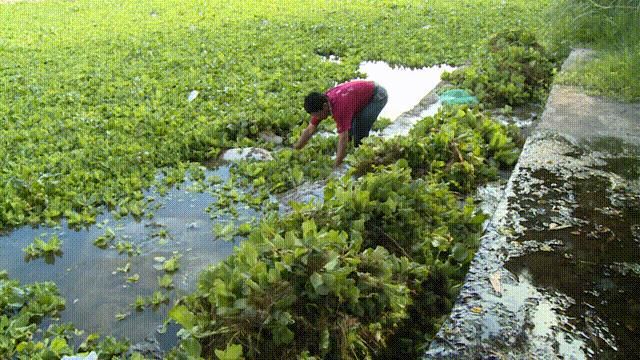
x=596, y=261
x=87, y=276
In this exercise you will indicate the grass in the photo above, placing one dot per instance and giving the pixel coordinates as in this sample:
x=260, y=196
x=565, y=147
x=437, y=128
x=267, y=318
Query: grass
x=95, y=96
x=614, y=74
x=612, y=27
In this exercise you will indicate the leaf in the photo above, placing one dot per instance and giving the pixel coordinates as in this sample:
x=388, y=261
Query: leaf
x=282, y=335
x=459, y=252
x=171, y=265
x=192, y=347
x=318, y=284
x=101, y=242
x=59, y=345
x=158, y=298
x=316, y=280
x=182, y=316
x=165, y=281
x=244, y=229
x=133, y=278
x=332, y=263
x=308, y=228
x=140, y=303
x=232, y=352
x=225, y=232
x=297, y=175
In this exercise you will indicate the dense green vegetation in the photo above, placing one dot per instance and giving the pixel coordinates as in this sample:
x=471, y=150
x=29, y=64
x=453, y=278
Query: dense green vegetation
x=460, y=146
x=108, y=99
x=97, y=97
x=612, y=28
x=340, y=278
x=512, y=69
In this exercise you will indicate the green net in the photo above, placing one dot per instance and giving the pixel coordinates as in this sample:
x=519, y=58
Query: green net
x=457, y=97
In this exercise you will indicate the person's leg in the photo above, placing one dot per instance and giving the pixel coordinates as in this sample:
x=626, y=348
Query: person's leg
x=363, y=121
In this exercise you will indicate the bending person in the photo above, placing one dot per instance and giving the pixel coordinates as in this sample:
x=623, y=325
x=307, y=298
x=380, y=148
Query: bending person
x=354, y=106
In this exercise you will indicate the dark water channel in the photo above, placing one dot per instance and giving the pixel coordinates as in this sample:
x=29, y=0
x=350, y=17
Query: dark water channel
x=87, y=277
x=594, y=258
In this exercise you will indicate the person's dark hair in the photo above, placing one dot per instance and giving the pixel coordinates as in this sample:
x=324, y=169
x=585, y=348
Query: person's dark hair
x=314, y=102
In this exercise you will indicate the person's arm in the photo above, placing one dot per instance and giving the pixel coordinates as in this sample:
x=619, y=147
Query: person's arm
x=306, y=135
x=343, y=140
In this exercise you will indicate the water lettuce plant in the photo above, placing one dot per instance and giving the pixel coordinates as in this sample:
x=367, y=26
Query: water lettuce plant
x=306, y=289
x=40, y=248
x=99, y=98
x=461, y=146
x=513, y=68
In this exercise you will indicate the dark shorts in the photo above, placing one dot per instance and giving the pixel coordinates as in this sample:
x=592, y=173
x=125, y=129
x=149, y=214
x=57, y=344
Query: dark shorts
x=363, y=121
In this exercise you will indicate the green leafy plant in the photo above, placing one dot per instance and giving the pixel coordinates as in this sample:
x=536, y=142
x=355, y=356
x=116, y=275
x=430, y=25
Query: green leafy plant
x=512, y=69
x=458, y=145
x=232, y=352
x=40, y=247
x=95, y=144
x=24, y=307
x=381, y=124
x=128, y=248
x=158, y=298
x=104, y=241
x=225, y=232
x=306, y=289
x=165, y=281
x=140, y=303
x=101, y=143
x=172, y=264
x=289, y=168
x=125, y=268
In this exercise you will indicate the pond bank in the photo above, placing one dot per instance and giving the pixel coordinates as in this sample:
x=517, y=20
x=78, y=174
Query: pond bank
x=557, y=272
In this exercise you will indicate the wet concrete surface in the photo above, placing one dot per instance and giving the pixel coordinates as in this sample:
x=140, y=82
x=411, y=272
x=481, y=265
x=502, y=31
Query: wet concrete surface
x=558, y=270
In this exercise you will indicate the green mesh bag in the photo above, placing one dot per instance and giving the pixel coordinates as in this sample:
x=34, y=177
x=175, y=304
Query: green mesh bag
x=457, y=97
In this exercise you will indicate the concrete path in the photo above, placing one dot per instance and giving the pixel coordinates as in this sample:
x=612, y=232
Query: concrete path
x=558, y=270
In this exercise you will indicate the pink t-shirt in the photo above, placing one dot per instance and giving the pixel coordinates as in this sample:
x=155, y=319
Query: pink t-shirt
x=346, y=100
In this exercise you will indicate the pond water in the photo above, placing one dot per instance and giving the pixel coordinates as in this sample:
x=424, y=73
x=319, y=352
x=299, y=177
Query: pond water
x=87, y=277
x=405, y=86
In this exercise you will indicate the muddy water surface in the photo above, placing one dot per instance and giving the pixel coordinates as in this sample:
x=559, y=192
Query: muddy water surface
x=87, y=276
